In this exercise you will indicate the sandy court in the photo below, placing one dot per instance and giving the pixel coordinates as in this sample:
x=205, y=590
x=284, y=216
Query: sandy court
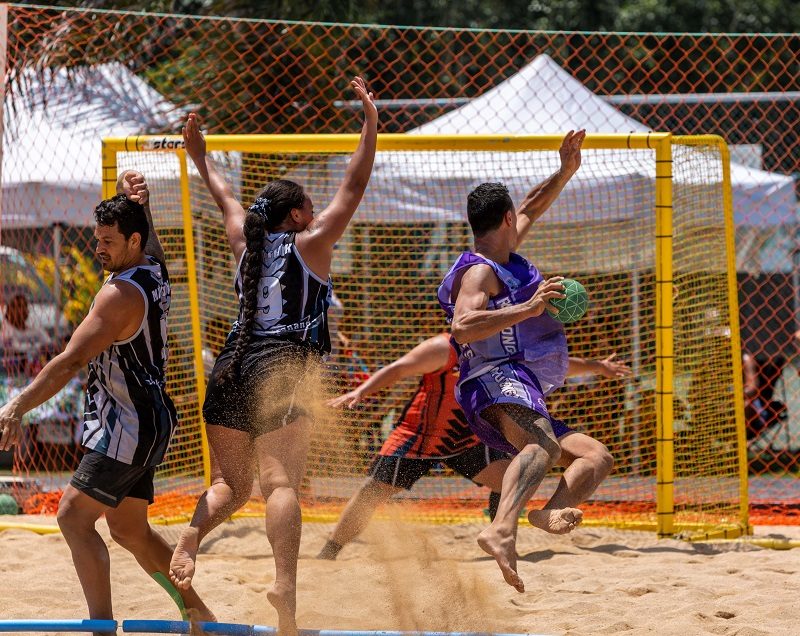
x=435, y=578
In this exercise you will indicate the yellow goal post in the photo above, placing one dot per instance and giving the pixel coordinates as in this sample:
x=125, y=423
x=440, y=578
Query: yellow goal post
x=646, y=224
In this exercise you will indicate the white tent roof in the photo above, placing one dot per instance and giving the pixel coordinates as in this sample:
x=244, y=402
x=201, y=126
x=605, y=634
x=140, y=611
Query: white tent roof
x=541, y=99
x=53, y=124
x=544, y=99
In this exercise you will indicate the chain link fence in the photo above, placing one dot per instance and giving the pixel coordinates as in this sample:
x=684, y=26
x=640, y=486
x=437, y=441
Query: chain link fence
x=74, y=76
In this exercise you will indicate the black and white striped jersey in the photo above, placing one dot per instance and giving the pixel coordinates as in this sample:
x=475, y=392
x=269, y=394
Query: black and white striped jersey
x=292, y=300
x=129, y=416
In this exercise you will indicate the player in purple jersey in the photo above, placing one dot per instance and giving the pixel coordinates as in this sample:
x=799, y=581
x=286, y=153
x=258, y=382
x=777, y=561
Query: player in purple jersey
x=512, y=354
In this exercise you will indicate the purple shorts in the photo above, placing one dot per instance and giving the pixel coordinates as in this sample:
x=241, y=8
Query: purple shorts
x=509, y=382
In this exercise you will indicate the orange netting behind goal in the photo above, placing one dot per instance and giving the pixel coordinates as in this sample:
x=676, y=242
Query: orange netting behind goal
x=408, y=231
x=74, y=76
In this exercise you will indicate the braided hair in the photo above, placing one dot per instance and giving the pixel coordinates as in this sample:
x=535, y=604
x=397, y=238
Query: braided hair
x=267, y=213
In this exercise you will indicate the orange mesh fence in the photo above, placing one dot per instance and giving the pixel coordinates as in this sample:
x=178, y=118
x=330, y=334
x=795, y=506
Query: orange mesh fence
x=74, y=76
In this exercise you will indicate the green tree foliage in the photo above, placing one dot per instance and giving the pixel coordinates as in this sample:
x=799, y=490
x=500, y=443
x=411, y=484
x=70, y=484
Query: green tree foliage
x=674, y=16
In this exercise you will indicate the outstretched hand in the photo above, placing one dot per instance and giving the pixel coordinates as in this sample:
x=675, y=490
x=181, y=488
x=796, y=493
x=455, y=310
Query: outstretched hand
x=611, y=368
x=367, y=100
x=135, y=188
x=348, y=400
x=193, y=139
x=570, y=151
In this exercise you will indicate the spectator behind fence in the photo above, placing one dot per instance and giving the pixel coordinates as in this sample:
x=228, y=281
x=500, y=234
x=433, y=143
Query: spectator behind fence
x=23, y=344
x=760, y=376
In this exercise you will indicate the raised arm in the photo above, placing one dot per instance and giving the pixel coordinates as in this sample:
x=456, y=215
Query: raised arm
x=428, y=356
x=472, y=321
x=133, y=185
x=232, y=211
x=541, y=197
x=317, y=240
x=116, y=314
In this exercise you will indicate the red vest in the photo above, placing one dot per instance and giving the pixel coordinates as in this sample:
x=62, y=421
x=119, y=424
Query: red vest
x=432, y=424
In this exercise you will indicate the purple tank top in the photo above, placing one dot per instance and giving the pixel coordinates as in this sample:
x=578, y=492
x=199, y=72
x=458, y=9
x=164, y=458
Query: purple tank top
x=540, y=341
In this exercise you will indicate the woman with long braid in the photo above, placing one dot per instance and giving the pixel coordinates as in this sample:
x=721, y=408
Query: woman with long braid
x=253, y=410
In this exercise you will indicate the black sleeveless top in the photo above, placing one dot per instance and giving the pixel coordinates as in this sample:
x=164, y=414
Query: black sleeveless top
x=129, y=416
x=292, y=301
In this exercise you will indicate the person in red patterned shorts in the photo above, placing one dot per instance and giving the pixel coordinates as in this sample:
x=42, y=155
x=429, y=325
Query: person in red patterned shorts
x=432, y=429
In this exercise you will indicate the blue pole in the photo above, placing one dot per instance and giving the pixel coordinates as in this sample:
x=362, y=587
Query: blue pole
x=58, y=626
x=236, y=629
x=184, y=627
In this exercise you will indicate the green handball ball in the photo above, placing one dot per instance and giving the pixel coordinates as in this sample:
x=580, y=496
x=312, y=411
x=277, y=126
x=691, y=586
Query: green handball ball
x=8, y=505
x=574, y=305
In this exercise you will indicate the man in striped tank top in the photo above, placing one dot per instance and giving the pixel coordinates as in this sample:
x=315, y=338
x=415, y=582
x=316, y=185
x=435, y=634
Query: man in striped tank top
x=512, y=353
x=432, y=428
x=129, y=418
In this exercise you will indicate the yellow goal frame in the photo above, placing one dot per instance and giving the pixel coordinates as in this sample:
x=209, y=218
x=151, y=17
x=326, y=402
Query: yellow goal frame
x=660, y=143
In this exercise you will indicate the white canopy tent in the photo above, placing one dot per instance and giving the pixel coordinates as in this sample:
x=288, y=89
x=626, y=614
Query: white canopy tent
x=53, y=124
x=544, y=99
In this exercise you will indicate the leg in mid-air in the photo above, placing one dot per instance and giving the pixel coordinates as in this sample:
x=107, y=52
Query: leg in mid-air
x=129, y=528
x=588, y=463
x=532, y=435
x=281, y=457
x=390, y=475
x=231, y=486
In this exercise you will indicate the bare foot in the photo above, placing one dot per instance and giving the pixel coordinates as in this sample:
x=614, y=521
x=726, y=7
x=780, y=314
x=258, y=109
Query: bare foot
x=181, y=567
x=504, y=550
x=284, y=600
x=556, y=521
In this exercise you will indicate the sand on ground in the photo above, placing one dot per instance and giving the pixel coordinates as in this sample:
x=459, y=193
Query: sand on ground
x=435, y=578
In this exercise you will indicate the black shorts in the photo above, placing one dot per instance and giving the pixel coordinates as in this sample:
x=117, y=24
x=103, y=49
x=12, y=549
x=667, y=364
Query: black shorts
x=110, y=481
x=404, y=472
x=278, y=382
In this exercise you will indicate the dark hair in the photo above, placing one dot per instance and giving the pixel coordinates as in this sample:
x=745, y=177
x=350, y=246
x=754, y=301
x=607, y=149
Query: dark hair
x=268, y=211
x=128, y=215
x=486, y=206
x=276, y=200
